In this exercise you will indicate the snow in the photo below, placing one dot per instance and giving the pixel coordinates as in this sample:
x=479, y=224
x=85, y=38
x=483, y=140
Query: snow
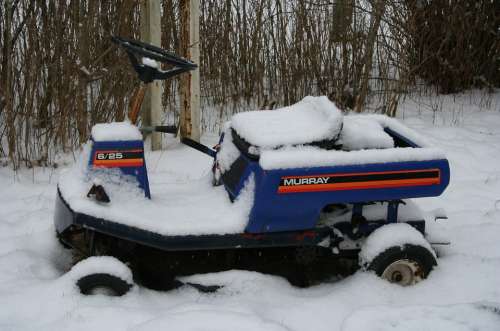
x=176, y=203
x=460, y=317
x=391, y=235
x=312, y=119
x=99, y=265
x=294, y=157
x=373, y=145
x=228, y=152
x=461, y=293
x=397, y=126
x=115, y=131
x=195, y=318
x=362, y=132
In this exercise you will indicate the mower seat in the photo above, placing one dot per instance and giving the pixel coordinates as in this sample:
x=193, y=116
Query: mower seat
x=312, y=121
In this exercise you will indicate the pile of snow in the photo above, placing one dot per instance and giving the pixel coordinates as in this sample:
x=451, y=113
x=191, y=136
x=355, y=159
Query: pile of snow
x=391, y=235
x=310, y=120
x=309, y=156
x=115, y=131
x=363, y=132
x=99, y=265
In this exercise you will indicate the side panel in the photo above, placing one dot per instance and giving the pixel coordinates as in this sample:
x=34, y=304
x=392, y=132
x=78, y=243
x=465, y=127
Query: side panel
x=234, y=179
x=128, y=156
x=292, y=199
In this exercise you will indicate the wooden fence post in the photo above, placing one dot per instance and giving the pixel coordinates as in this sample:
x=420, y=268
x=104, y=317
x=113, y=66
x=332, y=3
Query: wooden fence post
x=190, y=82
x=151, y=34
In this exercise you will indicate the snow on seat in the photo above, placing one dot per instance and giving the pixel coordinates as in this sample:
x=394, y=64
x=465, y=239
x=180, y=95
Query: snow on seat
x=313, y=119
x=115, y=131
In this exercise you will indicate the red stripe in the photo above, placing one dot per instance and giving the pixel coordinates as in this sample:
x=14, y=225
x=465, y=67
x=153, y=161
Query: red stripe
x=118, y=164
x=363, y=173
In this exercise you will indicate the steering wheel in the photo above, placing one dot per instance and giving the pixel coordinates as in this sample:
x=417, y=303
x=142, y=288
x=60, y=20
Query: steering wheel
x=147, y=69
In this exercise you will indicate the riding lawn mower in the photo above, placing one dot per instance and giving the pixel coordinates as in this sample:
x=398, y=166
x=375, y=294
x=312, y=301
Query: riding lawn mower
x=299, y=191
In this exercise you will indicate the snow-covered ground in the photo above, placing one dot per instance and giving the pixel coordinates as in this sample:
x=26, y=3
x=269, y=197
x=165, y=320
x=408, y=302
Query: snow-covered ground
x=462, y=293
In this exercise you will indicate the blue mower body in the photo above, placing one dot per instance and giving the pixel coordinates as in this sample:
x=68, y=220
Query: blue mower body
x=292, y=199
x=285, y=201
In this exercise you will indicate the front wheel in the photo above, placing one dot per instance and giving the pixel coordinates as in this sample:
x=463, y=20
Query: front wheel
x=104, y=284
x=104, y=275
x=404, y=265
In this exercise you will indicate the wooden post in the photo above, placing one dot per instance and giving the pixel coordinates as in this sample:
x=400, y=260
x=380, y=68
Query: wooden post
x=151, y=34
x=190, y=82
x=378, y=12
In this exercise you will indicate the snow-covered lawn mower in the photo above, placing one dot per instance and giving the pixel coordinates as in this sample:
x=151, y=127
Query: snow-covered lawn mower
x=302, y=186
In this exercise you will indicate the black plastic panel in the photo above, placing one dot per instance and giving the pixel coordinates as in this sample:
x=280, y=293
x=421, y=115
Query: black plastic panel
x=232, y=177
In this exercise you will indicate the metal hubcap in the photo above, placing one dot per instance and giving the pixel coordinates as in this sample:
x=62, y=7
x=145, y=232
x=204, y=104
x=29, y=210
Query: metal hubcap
x=403, y=272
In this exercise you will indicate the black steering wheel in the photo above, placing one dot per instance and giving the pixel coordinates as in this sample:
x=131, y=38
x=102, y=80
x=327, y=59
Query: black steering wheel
x=148, y=70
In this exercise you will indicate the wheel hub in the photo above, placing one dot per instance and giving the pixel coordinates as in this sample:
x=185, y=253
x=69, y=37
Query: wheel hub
x=403, y=272
x=103, y=290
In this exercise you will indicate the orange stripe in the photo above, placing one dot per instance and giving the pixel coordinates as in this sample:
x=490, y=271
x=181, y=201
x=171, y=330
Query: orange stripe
x=117, y=161
x=358, y=185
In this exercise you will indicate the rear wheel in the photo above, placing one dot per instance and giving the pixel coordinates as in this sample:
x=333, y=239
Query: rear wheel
x=406, y=265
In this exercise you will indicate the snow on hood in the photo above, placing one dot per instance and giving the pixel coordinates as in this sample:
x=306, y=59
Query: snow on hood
x=174, y=209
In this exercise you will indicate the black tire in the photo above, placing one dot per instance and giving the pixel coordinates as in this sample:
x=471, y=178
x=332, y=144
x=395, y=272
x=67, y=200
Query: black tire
x=405, y=265
x=159, y=279
x=103, y=283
